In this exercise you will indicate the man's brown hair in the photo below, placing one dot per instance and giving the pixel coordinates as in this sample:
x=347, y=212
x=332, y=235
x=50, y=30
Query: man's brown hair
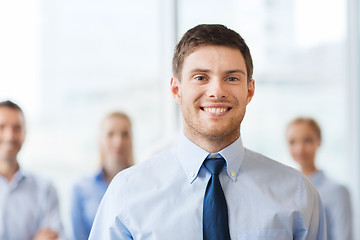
x=208, y=35
x=11, y=105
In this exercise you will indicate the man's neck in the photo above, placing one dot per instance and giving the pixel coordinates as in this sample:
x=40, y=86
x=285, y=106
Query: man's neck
x=212, y=144
x=8, y=167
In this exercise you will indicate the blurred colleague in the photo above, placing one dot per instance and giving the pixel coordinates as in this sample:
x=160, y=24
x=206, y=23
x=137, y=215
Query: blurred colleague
x=116, y=154
x=208, y=186
x=29, y=208
x=304, y=138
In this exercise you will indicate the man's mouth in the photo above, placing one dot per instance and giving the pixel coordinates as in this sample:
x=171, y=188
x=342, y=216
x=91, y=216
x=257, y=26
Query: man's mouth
x=215, y=109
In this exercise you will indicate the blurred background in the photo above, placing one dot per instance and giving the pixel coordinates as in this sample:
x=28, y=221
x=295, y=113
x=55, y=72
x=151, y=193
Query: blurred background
x=68, y=63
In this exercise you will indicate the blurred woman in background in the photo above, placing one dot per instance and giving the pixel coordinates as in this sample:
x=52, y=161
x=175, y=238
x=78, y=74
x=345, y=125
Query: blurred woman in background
x=304, y=138
x=116, y=154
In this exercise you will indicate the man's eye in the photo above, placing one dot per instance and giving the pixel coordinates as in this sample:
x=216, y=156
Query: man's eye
x=125, y=134
x=232, y=79
x=200, y=78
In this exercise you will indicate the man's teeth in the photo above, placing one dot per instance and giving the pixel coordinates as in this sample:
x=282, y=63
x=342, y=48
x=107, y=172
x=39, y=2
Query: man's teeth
x=215, y=110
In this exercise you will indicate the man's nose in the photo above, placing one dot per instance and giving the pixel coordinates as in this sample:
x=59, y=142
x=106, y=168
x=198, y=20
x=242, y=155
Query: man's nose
x=217, y=89
x=8, y=134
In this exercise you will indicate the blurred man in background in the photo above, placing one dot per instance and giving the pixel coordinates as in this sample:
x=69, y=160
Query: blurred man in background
x=29, y=208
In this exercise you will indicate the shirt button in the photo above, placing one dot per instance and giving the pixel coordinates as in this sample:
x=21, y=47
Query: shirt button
x=233, y=174
x=192, y=174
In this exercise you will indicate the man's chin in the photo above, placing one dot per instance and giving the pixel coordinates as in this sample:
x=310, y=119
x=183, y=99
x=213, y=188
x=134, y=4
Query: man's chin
x=219, y=135
x=8, y=156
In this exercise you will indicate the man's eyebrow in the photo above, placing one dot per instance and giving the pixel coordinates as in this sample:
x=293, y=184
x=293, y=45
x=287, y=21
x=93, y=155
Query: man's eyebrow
x=200, y=70
x=235, y=71
x=204, y=70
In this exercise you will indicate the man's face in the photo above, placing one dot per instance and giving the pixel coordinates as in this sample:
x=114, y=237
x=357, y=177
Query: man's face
x=213, y=92
x=12, y=132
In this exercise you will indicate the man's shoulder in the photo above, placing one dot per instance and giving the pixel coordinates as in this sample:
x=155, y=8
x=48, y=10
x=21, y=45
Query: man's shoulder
x=37, y=179
x=36, y=184
x=278, y=176
x=261, y=162
x=151, y=166
x=145, y=179
x=275, y=172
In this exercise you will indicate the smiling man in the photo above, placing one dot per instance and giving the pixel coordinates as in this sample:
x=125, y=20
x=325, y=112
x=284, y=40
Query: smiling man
x=29, y=207
x=208, y=186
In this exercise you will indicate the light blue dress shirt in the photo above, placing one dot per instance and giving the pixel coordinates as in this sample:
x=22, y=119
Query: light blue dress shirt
x=162, y=198
x=336, y=200
x=86, y=196
x=27, y=204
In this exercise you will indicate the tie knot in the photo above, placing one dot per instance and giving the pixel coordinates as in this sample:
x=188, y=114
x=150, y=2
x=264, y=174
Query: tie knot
x=214, y=165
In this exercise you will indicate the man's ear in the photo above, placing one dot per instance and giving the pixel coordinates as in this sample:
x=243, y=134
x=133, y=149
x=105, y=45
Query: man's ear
x=251, y=90
x=176, y=90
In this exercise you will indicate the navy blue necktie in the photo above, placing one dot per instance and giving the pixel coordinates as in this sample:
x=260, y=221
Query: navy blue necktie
x=215, y=213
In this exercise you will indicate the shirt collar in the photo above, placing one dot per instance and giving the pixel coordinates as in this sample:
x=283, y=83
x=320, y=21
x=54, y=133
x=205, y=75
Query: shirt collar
x=16, y=178
x=192, y=156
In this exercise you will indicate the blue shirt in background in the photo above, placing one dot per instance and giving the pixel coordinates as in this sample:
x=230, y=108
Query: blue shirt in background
x=28, y=203
x=86, y=197
x=162, y=198
x=336, y=200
